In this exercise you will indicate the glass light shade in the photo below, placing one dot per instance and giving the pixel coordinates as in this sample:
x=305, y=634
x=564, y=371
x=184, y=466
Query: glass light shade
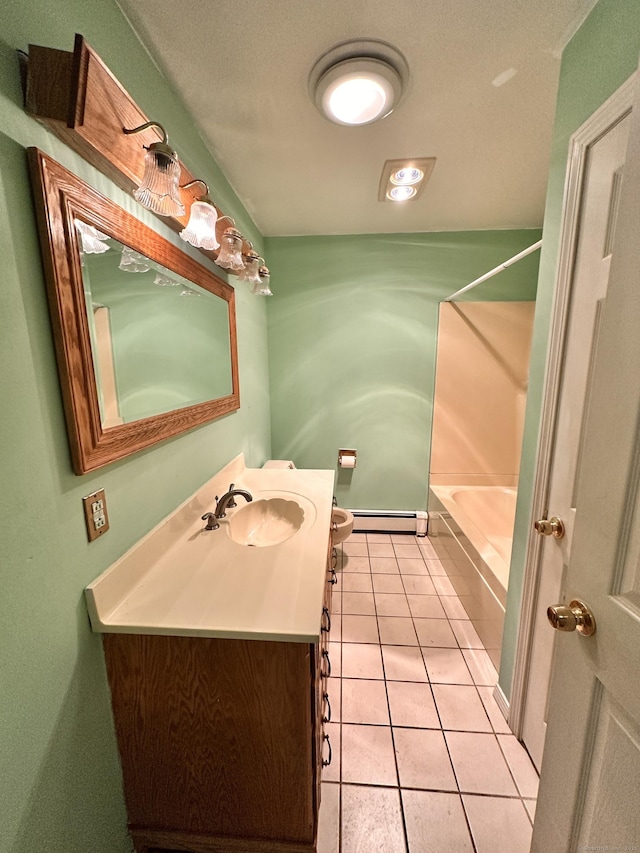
x=91, y=239
x=230, y=255
x=132, y=261
x=401, y=193
x=251, y=266
x=200, y=231
x=261, y=288
x=159, y=190
x=357, y=100
x=358, y=91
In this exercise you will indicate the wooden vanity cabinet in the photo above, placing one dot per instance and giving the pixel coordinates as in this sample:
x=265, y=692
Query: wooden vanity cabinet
x=221, y=740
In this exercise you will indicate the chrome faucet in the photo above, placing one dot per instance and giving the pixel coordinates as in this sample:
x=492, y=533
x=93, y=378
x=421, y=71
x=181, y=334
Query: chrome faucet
x=222, y=504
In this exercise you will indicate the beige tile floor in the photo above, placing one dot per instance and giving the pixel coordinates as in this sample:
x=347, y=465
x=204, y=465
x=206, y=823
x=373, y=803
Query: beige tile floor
x=423, y=760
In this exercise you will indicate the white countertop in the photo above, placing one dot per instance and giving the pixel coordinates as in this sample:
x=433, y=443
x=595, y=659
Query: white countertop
x=181, y=580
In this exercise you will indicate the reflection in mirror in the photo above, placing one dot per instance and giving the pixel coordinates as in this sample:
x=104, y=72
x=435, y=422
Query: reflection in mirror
x=145, y=323
x=145, y=335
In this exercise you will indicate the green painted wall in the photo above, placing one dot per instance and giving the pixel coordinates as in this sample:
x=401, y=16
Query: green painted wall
x=352, y=344
x=60, y=784
x=599, y=58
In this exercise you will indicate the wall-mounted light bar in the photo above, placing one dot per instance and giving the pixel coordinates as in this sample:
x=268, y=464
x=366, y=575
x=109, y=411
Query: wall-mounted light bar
x=68, y=91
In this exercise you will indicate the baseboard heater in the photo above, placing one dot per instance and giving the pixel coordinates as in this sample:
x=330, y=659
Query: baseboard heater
x=390, y=521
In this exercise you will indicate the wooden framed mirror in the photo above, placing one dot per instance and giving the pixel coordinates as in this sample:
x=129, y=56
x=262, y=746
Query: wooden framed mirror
x=145, y=336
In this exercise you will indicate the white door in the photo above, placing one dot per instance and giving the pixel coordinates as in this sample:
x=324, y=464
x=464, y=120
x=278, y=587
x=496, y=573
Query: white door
x=604, y=161
x=589, y=795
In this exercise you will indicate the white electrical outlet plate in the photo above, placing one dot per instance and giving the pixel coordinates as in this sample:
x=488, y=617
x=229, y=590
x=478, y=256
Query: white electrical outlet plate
x=95, y=514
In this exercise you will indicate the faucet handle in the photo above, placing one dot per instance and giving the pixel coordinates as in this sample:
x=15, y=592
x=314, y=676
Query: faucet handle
x=212, y=521
x=231, y=504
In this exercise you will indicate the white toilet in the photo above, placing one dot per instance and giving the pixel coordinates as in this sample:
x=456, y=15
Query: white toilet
x=341, y=519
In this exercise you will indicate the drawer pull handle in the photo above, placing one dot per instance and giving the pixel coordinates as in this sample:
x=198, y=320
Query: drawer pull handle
x=328, y=761
x=325, y=655
x=327, y=623
x=327, y=717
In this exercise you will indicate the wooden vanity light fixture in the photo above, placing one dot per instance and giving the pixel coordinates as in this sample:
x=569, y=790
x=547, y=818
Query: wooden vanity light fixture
x=76, y=96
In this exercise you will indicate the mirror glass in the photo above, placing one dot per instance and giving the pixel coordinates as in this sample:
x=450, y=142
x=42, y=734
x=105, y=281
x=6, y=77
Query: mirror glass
x=145, y=335
x=159, y=341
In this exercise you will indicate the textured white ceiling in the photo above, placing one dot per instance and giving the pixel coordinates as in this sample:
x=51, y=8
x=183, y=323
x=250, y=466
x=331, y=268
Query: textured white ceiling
x=299, y=174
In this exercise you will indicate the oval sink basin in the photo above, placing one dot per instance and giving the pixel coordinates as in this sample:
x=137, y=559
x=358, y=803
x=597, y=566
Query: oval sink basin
x=265, y=522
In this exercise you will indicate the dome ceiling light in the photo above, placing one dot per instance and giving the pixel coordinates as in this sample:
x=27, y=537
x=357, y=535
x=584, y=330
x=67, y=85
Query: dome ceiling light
x=404, y=180
x=358, y=82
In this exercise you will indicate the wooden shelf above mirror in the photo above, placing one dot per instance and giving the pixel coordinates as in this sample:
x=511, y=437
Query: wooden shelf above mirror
x=79, y=99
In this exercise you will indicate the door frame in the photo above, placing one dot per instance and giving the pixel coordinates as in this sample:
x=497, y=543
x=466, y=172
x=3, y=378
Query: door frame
x=613, y=110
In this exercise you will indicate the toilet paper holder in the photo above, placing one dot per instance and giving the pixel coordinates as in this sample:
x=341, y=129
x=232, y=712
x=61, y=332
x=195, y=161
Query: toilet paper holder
x=347, y=458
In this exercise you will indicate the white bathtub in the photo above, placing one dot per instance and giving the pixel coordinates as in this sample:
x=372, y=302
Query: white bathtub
x=485, y=514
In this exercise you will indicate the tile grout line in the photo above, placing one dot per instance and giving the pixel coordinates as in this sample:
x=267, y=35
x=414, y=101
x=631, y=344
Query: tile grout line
x=455, y=775
x=393, y=740
x=435, y=705
x=428, y=790
x=341, y=722
x=521, y=796
x=495, y=735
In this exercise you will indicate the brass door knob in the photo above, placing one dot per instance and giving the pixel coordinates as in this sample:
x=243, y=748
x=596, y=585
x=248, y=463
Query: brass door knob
x=578, y=616
x=550, y=527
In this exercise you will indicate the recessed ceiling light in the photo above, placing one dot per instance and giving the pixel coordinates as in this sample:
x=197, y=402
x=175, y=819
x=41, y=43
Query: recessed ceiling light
x=401, y=193
x=407, y=176
x=402, y=180
x=358, y=82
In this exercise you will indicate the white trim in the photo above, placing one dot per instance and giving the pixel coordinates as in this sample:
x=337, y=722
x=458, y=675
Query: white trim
x=610, y=113
x=422, y=522
x=388, y=521
x=502, y=702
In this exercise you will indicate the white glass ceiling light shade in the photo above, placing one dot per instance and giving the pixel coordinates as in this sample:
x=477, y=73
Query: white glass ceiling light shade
x=159, y=190
x=358, y=91
x=200, y=230
x=262, y=287
x=230, y=254
x=358, y=82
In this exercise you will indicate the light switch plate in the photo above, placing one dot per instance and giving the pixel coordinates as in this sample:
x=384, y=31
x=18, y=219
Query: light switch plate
x=95, y=514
